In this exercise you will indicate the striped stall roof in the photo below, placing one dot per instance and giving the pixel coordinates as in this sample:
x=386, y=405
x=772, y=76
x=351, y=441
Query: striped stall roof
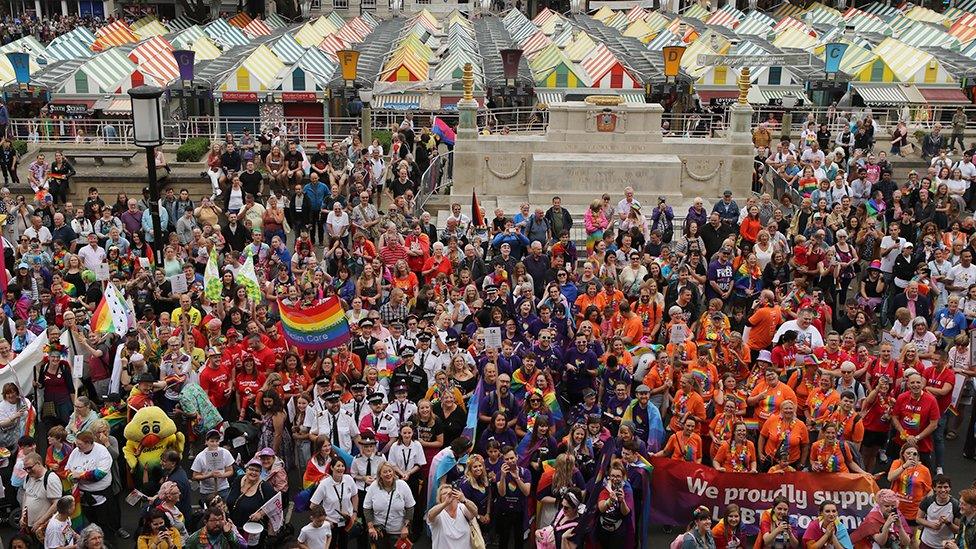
x=109, y=70
x=338, y=21
x=689, y=61
x=794, y=24
x=205, y=49
x=795, y=39
x=953, y=14
x=606, y=71
x=367, y=18
x=188, y=36
x=855, y=59
x=222, y=33
x=786, y=9
x=275, y=21
x=905, y=61
x=922, y=35
x=968, y=19
x=900, y=23
x=332, y=44
x=664, y=38
x=545, y=15
x=969, y=51
x=548, y=97
x=865, y=22
x=966, y=5
x=639, y=30
x=325, y=26
x=756, y=24
x=27, y=44
x=405, y=66
x=656, y=21
x=350, y=34
x=824, y=17
x=288, y=49
x=180, y=23
x=535, y=43
x=891, y=95
x=257, y=28
x=240, y=20
x=565, y=37
x=619, y=21
x=962, y=32
x=550, y=63
x=154, y=57
x=762, y=95
x=881, y=9
x=727, y=17
x=919, y=13
x=636, y=13
x=116, y=33
x=580, y=48
x=452, y=67
x=320, y=63
x=149, y=26
x=66, y=47
x=601, y=14
x=308, y=35
x=696, y=11
x=261, y=68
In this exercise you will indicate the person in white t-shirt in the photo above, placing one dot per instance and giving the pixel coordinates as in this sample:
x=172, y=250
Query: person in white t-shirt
x=962, y=275
x=317, y=533
x=213, y=466
x=389, y=505
x=336, y=494
x=90, y=466
x=42, y=491
x=890, y=248
x=59, y=534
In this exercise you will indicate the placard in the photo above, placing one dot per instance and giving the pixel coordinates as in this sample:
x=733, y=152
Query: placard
x=144, y=262
x=101, y=272
x=493, y=337
x=178, y=283
x=678, y=334
x=78, y=367
x=134, y=497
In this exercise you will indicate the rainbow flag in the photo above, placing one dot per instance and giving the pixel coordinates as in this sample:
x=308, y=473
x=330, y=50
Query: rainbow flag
x=112, y=314
x=318, y=327
x=655, y=427
x=555, y=411
x=471, y=425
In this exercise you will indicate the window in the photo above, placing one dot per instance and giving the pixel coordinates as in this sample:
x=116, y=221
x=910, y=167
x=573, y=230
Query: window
x=932, y=72
x=316, y=4
x=425, y=2
x=877, y=71
x=340, y=4
x=81, y=82
x=243, y=79
x=298, y=80
x=369, y=5
x=775, y=76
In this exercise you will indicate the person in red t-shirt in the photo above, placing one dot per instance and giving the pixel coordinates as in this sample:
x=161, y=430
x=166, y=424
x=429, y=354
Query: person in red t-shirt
x=247, y=382
x=939, y=380
x=915, y=417
x=831, y=356
x=264, y=356
x=215, y=379
x=884, y=365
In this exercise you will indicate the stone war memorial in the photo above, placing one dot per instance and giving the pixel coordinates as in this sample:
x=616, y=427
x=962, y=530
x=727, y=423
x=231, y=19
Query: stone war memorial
x=603, y=145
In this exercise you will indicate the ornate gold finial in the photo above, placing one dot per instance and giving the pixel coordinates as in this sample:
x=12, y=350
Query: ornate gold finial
x=467, y=79
x=744, y=83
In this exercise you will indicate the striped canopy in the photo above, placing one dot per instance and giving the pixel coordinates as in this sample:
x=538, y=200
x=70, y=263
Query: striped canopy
x=154, y=57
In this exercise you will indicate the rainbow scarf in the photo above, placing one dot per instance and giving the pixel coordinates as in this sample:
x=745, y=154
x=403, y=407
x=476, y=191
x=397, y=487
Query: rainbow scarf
x=317, y=327
x=520, y=383
x=114, y=415
x=555, y=411
x=655, y=427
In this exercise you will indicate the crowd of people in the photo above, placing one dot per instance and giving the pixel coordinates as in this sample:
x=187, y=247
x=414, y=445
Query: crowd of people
x=507, y=377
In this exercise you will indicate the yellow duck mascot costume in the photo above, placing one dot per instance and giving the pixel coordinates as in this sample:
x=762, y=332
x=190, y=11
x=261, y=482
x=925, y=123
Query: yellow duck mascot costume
x=150, y=433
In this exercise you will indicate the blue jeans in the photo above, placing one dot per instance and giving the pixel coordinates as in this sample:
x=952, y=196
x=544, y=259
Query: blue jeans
x=938, y=438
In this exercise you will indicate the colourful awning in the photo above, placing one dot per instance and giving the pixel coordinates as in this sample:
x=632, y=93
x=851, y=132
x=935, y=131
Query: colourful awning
x=154, y=57
x=945, y=96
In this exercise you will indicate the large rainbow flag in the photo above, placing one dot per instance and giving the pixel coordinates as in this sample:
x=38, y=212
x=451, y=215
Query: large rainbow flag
x=318, y=327
x=113, y=314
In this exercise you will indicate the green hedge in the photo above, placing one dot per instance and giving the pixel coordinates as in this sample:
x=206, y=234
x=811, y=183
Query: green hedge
x=384, y=137
x=193, y=150
x=21, y=147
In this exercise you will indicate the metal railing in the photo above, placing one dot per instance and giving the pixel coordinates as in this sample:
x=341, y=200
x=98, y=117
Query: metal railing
x=436, y=179
x=918, y=117
x=524, y=120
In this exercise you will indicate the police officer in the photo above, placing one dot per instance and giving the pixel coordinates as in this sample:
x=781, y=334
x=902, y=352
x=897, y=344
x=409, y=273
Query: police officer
x=396, y=340
x=333, y=423
x=378, y=421
x=357, y=406
x=362, y=344
x=428, y=360
x=408, y=373
x=400, y=407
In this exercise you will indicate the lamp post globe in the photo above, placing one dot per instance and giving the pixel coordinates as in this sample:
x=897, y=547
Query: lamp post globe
x=147, y=132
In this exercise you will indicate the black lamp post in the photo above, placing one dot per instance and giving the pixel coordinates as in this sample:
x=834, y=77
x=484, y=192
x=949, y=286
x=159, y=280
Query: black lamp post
x=147, y=131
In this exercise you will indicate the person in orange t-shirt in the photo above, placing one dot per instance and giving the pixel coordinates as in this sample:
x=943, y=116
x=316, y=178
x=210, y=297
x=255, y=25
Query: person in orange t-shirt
x=723, y=425
x=586, y=300
x=851, y=426
x=769, y=395
x=804, y=382
x=687, y=403
x=660, y=378
x=832, y=455
x=619, y=350
x=911, y=480
x=764, y=321
x=631, y=330
x=705, y=373
x=737, y=455
x=683, y=353
x=685, y=445
x=785, y=432
x=821, y=403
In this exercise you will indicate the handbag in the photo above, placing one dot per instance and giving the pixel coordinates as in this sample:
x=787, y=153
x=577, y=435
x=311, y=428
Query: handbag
x=477, y=539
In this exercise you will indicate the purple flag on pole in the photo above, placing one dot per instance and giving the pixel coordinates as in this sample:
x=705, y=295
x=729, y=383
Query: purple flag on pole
x=184, y=60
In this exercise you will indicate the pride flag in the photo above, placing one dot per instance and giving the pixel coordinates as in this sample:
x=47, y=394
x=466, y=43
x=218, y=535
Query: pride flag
x=318, y=327
x=471, y=425
x=444, y=132
x=112, y=314
x=212, y=283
